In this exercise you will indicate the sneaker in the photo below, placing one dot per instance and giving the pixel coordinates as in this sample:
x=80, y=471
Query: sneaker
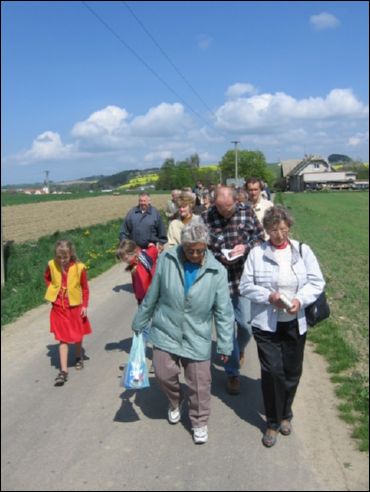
x=200, y=434
x=233, y=385
x=174, y=415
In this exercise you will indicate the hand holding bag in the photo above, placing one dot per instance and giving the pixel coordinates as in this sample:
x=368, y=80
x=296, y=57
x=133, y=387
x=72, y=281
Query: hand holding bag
x=318, y=310
x=135, y=375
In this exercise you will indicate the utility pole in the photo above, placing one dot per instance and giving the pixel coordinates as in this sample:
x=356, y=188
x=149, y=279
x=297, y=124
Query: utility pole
x=46, y=181
x=235, y=142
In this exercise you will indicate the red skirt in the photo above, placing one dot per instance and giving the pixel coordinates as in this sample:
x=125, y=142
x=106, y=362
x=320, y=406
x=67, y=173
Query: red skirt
x=68, y=325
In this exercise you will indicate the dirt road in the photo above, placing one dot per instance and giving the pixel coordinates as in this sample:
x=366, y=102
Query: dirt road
x=91, y=434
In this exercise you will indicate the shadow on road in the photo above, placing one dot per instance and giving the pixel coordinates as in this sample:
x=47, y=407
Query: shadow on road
x=53, y=353
x=124, y=287
x=248, y=406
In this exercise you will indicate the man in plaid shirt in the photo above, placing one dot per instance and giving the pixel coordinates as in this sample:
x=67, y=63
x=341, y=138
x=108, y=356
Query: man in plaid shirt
x=234, y=227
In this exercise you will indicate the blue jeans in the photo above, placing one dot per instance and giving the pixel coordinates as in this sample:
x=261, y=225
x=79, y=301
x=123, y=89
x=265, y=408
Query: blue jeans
x=242, y=313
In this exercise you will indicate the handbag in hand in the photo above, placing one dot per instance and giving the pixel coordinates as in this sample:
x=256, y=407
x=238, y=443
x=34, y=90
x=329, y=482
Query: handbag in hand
x=318, y=310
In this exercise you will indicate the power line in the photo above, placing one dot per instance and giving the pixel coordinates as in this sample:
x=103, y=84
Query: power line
x=167, y=57
x=127, y=46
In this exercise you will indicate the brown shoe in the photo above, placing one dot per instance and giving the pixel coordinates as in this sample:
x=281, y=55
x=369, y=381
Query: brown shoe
x=233, y=385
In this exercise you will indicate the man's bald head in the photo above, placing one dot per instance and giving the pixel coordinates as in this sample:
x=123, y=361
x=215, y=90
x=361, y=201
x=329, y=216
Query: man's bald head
x=225, y=201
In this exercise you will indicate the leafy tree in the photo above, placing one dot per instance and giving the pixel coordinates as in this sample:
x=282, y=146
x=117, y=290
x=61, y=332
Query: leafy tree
x=185, y=173
x=194, y=160
x=334, y=158
x=167, y=175
x=250, y=163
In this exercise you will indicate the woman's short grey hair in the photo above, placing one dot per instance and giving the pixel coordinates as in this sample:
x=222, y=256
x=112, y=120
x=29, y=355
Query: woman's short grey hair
x=276, y=214
x=194, y=233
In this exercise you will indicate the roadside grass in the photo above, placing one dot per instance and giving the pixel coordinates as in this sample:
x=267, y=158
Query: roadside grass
x=25, y=264
x=335, y=225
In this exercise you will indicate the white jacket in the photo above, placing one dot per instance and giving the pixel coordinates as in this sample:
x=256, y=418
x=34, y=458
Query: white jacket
x=260, y=278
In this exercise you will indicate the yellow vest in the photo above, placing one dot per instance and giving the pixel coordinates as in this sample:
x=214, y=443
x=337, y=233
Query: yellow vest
x=73, y=283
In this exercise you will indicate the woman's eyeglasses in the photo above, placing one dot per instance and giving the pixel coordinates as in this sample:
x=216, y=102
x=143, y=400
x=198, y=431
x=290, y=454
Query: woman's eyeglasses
x=195, y=251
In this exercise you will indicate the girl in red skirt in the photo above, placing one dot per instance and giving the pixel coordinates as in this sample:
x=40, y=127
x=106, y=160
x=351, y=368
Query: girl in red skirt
x=68, y=291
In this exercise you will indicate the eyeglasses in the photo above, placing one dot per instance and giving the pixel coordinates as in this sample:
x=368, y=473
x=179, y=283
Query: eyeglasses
x=195, y=251
x=276, y=231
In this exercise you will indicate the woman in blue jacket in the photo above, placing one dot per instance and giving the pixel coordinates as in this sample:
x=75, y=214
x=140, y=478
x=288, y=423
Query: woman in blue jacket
x=188, y=293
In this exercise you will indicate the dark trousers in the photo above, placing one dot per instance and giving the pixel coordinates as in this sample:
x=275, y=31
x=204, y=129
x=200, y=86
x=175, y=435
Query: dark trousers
x=281, y=359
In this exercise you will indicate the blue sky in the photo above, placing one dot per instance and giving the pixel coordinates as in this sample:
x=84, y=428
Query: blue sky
x=285, y=78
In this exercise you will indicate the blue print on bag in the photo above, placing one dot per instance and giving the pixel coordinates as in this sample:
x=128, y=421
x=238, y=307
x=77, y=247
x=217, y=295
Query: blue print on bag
x=135, y=375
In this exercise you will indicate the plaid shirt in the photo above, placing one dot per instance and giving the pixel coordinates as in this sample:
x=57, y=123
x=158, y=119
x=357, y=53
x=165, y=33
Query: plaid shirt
x=241, y=228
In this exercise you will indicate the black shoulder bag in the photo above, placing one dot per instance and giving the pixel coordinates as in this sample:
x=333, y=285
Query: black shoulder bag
x=318, y=310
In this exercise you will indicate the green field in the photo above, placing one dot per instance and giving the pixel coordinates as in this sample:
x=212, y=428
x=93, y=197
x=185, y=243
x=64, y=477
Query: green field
x=336, y=226
x=18, y=198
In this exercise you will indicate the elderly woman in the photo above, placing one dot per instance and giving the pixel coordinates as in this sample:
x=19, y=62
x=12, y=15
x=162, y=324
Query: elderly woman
x=188, y=293
x=280, y=282
x=185, y=204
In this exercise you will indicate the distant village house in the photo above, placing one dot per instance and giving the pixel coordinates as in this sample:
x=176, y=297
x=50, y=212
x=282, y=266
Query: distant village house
x=314, y=172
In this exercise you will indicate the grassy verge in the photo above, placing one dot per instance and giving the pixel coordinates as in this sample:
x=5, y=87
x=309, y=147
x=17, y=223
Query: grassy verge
x=25, y=264
x=335, y=225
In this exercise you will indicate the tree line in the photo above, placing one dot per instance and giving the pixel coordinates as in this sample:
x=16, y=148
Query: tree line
x=187, y=172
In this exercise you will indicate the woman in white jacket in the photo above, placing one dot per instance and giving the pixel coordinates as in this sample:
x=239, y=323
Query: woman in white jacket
x=280, y=283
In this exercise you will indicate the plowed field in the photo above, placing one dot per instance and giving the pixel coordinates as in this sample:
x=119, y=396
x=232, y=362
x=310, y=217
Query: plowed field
x=29, y=222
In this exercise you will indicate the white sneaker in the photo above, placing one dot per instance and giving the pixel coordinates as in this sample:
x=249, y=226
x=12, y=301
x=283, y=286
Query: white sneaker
x=174, y=415
x=200, y=434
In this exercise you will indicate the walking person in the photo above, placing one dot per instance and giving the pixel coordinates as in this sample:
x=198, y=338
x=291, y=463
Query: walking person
x=254, y=189
x=141, y=263
x=172, y=207
x=185, y=204
x=189, y=293
x=234, y=230
x=144, y=225
x=68, y=291
x=280, y=283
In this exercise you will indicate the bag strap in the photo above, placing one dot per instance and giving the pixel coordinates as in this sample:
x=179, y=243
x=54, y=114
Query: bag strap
x=300, y=249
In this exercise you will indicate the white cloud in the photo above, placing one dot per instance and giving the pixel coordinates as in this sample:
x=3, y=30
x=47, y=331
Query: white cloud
x=46, y=146
x=324, y=21
x=158, y=156
x=267, y=111
x=358, y=139
x=275, y=123
x=236, y=90
x=106, y=121
x=161, y=121
x=204, y=41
